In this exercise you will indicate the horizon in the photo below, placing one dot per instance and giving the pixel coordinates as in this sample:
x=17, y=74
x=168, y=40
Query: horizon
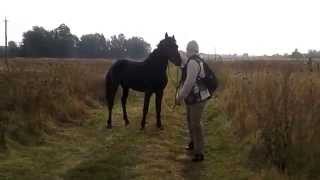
x=228, y=27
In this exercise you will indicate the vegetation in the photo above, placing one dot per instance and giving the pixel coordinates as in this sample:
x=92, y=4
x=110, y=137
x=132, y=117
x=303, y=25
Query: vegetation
x=273, y=106
x=37, y=94
x=61, y=43
x=262, y=124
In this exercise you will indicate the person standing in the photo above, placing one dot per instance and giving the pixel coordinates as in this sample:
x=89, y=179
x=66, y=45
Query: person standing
x=194, y=93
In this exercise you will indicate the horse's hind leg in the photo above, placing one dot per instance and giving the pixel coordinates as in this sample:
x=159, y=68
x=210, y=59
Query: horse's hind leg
x=159, y=96
x=145, y=109
x=124, y=98
x=110, y=95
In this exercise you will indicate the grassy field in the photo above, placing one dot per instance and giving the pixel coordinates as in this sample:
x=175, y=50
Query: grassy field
x=273, y=105
x=53, y=115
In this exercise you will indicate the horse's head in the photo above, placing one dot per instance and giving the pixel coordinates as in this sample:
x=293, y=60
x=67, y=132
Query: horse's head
x=169, y=48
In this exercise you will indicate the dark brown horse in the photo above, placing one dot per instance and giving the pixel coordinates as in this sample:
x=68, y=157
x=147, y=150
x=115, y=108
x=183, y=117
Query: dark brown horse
x=148, y=76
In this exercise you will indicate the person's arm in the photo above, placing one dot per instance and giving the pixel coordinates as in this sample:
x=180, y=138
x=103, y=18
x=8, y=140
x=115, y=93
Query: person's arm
x=192, y=72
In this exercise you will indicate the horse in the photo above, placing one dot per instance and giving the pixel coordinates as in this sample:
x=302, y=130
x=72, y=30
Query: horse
x=148, y=76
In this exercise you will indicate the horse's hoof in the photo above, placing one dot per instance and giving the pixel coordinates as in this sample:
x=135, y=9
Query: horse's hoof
x=160, y=128
x=142, y=128
x=127, y=124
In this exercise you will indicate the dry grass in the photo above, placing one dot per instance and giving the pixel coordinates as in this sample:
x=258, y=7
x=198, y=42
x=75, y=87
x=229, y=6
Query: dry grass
x=275, y=106
x=272, y=105
x=38, y=94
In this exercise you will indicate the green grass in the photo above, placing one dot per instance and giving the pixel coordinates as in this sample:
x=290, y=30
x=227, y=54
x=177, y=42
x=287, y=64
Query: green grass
x=73, y=153
x=224, y=158
x=93, y=152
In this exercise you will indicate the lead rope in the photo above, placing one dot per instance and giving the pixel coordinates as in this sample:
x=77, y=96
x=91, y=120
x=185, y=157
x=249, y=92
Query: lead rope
x=176, y=84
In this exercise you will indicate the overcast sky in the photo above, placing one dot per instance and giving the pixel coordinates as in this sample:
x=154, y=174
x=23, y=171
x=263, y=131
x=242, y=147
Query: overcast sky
x=230, y=26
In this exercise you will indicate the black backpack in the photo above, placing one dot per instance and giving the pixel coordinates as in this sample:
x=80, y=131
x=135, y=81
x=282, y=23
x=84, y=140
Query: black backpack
x=210, y=80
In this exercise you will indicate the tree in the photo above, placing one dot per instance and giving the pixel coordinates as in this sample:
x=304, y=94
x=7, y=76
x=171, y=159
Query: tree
x=118, y=47
x=92, y=46
x=59, y=42
x=36, y=42
x=108, y=48
x=296, y=54
x=64, y=43
x=313, y=53
x=13, y=49
x=137, y=48
x=1, y=51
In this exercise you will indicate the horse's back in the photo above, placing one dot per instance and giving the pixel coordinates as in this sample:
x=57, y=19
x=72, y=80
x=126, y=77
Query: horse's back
x=137, y=76
x=116, y=68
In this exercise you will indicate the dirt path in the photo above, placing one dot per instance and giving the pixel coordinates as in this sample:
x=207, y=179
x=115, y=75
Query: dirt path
x=162, y=155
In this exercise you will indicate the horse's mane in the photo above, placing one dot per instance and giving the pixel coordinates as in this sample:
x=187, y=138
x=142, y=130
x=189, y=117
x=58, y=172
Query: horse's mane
x=155, y=52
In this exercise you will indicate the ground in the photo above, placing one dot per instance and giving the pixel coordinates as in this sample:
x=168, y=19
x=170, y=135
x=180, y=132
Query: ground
x=92, y=152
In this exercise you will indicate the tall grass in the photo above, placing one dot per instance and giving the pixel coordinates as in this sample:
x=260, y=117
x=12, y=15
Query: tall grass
x=38, y=95
x=273, y=105
x=276, y=106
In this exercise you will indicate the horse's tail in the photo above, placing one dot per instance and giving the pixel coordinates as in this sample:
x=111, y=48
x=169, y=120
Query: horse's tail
x=108, y=85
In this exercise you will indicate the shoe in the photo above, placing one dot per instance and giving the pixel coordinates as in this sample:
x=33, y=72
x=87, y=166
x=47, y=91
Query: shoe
x=190, y=146
x=198, y=158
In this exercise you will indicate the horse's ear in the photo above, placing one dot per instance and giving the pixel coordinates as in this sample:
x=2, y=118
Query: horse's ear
x=173, y=37
x=166, y=35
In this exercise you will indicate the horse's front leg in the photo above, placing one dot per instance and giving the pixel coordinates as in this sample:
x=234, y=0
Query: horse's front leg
x=124, y=98
x=159, y=96
x=145, y=109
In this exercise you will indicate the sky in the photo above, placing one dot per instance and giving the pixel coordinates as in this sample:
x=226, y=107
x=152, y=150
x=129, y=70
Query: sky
x=256, y=27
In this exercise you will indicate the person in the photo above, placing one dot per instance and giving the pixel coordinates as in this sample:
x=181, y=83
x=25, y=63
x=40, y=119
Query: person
x=194, y=94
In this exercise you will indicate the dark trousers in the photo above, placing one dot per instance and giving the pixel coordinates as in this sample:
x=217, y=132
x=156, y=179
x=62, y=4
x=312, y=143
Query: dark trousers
x=194, y=114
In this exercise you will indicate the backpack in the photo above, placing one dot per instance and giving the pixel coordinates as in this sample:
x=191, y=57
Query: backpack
x=210, y=80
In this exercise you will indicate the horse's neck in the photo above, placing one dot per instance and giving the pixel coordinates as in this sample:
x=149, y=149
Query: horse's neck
x=157, y=62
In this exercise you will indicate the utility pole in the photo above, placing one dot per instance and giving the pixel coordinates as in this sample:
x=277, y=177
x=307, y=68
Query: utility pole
x=6, y=43
x=3, y=145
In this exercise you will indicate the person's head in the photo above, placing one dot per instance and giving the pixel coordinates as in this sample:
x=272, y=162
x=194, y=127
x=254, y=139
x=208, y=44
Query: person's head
x=192, y=48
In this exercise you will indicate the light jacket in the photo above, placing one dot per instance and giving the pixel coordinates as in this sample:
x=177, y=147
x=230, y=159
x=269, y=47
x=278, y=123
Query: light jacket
x=193, y=69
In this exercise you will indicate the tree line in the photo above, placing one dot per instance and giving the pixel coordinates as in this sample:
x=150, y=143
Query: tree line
x=61, y=43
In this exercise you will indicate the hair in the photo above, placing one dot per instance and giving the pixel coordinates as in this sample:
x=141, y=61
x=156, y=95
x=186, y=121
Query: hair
x=193, y=47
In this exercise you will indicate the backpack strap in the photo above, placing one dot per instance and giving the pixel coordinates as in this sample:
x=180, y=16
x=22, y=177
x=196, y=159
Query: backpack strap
x=197, y=58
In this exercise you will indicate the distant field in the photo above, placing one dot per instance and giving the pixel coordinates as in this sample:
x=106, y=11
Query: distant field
x=262, y=124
